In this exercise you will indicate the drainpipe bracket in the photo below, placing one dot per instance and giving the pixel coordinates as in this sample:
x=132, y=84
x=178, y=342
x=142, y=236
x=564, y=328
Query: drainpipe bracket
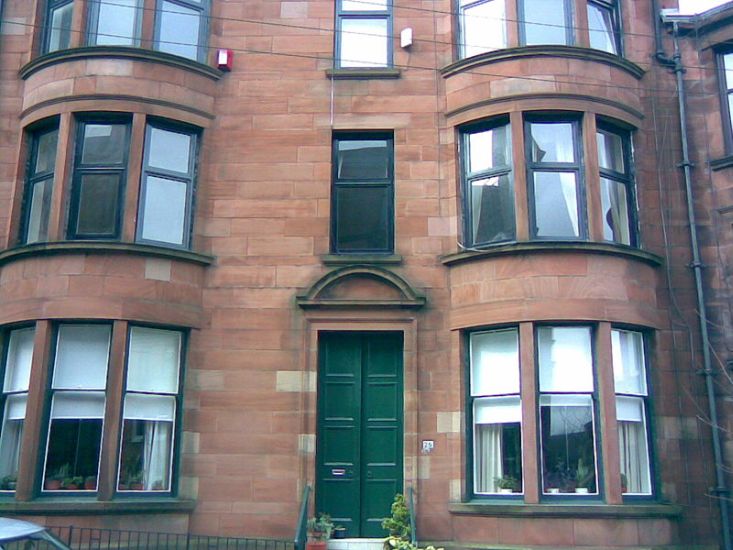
x=696, y=265
x=686, y=165
x=719, y=491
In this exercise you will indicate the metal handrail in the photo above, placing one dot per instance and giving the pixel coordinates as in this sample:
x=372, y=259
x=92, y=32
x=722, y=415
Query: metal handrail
x=411, y=508
x=301, y=528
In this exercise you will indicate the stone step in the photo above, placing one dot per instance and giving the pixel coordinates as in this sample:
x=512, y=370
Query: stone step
x=355, y=544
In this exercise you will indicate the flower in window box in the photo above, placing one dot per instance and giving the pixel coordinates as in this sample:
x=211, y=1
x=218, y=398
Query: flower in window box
x=583, y=476
x=507, y=484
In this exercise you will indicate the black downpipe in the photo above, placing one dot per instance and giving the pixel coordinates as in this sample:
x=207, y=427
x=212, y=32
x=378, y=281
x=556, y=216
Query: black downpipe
x=720, y=491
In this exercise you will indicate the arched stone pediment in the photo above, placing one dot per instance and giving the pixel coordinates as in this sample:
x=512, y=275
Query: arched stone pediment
x=361, y=286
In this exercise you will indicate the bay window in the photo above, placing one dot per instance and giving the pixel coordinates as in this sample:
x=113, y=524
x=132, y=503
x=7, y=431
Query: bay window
x=115, y=22
x=482, y=26
x=76, y=421
x=362, y=206
x=603, y=26
x=18, y=356
x=99, y=176
x=546, y=22
x=363, y=33
x=488, y=184
x=567, y=423
x=181, y=28
x=39, y=185
x=629, y=371
x=554, y=178
x=57, y=29
x=565, y=392
x=149, y=410
x=617, y=191
x=725, y=64
x=496, y=412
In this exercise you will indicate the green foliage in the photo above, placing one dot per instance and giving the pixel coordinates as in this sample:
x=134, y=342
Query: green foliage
x=396, y=543
x=399, y=524
x=320, y=527
x=507, y=482
x=583, y=474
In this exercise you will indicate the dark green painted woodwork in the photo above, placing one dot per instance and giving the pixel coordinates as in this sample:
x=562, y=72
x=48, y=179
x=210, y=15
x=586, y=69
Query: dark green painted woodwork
x=360, y=437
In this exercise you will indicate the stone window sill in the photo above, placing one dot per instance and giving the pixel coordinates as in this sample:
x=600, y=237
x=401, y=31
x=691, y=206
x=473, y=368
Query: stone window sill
x=351, y=259
x=88, y=505
x=581, y=509
x=362, y=73
x=721, y=163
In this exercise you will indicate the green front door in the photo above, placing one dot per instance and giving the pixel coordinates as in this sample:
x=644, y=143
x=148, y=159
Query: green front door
x=359, y=446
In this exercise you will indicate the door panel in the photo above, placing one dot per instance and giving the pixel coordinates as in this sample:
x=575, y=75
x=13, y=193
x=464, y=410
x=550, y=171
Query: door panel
x=360, y=437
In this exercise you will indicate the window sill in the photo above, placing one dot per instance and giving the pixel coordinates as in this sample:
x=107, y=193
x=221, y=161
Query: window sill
x=118, y=52
x=88, y=505
x=721, y=163
x=510, y=249
x=350, y=259
x=582, y=509
x=102, y=247
x=549, y=50
x=362, y=73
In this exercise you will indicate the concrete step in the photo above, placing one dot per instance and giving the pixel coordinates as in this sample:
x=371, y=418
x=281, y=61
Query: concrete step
x=355, y=544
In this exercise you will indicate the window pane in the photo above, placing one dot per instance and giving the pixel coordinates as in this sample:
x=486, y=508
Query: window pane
x=153, y=362
x=145, y=458
x=556, y=204
x=498, y=456
x=118, y=22
x=10, y=440
x=39, y=211
x=568, y=448
x=46, y=152
x=169, y=150
x=615, y=208
x=362, y=222
x=552, y=142
x=728, y=62
x=489, y=149
x=364, y=5
x=601, y=29
x=611, y=151
x=179, y=30
x=544, y=22
x=98, y=196
x=104, y=144
x=483, y=27
x=72, y=458
x=492, y=209
x=18, y=363
x=364, y=43
x=164, y=210
x=362, y=159
x=495, y=362
x=633, y=449
x=59, y=37
x=629, y=372
x=565, y=359
x=82, y=352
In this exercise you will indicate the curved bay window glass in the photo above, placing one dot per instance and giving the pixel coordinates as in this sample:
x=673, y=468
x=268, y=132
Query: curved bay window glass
x=617, y=191
x=150, y=406
x=629, y=370
x=39, y=185
x=77, y=407
x=554, y=178
x=100, y=168
x=115, y=22
x=567, y=411
x=57, y=28
x=496, y=412
x=362, y=208
x=482, y=26
x=166, y=192
x=603, y=26
x=545, y=22
x=181, y=28
x=18, y=357
x=488, y=186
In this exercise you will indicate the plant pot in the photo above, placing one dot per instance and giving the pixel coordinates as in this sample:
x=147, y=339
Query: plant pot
x=339, y=534
x=316, y=545
x=581, y=490
x=506, y=491
x=12, y=485
x=136, y=486
x=52, y=485
x=553, y=490
x=71, y=487
x=90, y=485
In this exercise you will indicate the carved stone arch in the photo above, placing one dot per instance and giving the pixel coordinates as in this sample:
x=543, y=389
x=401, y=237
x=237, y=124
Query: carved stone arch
x=361, y=286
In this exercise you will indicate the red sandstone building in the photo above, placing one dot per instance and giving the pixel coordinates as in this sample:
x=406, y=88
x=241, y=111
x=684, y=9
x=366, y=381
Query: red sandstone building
x=440, y=248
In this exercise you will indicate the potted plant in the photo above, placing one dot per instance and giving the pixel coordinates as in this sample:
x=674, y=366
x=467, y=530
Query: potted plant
x=54, y=481
x=398, y=524
x=135, y=481
x=72, y=483
x=507, y=484
x=319, y=531
x=90, y=483
x=8, y=482
x=624, y=483
x=583, y=476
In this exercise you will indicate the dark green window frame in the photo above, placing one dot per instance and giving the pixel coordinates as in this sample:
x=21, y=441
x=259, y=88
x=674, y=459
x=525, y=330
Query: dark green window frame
x=576, y=168
x=53, y=7
x=343, y=16
x=83, y=169
x=187, y=178
x=526, y=19
x=498, y=208
x=35, y=216
x=96, y=14
x=383, y=186
x=201, y=12
x=612, y=9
